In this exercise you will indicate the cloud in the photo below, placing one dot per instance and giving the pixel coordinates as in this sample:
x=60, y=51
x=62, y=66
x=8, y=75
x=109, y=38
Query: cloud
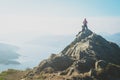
x=8, y=54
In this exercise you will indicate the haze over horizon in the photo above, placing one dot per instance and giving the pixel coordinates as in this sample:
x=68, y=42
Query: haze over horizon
x=25, y=19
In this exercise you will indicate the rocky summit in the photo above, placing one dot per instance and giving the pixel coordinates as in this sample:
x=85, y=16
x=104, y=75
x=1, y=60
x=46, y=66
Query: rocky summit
x=88, y=57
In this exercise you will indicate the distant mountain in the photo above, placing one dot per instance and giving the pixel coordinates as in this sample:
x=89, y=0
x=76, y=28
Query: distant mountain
x=113, y=38
x=8, y=54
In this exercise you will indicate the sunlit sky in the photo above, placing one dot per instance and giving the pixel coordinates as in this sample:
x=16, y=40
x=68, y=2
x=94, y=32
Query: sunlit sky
x=26, y=19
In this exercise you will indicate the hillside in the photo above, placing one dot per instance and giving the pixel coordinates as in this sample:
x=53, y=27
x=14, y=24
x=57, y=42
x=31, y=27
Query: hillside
x=88, y=57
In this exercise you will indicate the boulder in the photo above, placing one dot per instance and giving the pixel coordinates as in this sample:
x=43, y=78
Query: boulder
x=100, y=65
x=58, y=63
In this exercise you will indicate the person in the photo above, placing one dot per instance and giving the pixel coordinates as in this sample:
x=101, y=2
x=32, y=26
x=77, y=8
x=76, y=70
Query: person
x=84, y=25
x=85, y=22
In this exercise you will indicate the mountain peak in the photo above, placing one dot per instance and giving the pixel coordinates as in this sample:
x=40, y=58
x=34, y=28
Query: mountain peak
x=83, y=34
x=86, y=52
x=85, y=31
x=90, y=45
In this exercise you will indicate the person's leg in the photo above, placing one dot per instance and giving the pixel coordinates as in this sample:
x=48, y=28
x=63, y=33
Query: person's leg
x=83, y=28
x=86, y=27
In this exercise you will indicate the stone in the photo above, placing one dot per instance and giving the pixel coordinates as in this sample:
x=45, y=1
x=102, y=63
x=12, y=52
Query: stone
x=58, y=63
x=100, y=65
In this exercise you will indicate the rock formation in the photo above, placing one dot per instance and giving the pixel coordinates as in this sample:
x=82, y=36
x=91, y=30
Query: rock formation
x=83, y=59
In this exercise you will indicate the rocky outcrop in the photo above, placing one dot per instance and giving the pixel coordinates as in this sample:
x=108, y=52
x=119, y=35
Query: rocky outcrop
x=88, y=55
x=100, y=65
x=88, y=44
x=56, y=62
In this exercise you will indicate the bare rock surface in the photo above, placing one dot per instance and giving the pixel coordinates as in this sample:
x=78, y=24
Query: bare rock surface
x=86, y=58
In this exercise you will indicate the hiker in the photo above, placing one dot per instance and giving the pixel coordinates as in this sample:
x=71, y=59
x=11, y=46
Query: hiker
x=84, y=25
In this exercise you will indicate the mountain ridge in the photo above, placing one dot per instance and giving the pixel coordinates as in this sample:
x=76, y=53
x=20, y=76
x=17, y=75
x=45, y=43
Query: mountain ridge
x=87, y=53
x=87, y=40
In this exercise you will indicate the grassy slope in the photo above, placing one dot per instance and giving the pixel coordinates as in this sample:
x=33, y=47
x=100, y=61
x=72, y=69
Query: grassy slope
x=12, y=74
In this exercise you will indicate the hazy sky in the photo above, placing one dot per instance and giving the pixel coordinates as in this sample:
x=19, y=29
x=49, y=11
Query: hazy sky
x=26, y=19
